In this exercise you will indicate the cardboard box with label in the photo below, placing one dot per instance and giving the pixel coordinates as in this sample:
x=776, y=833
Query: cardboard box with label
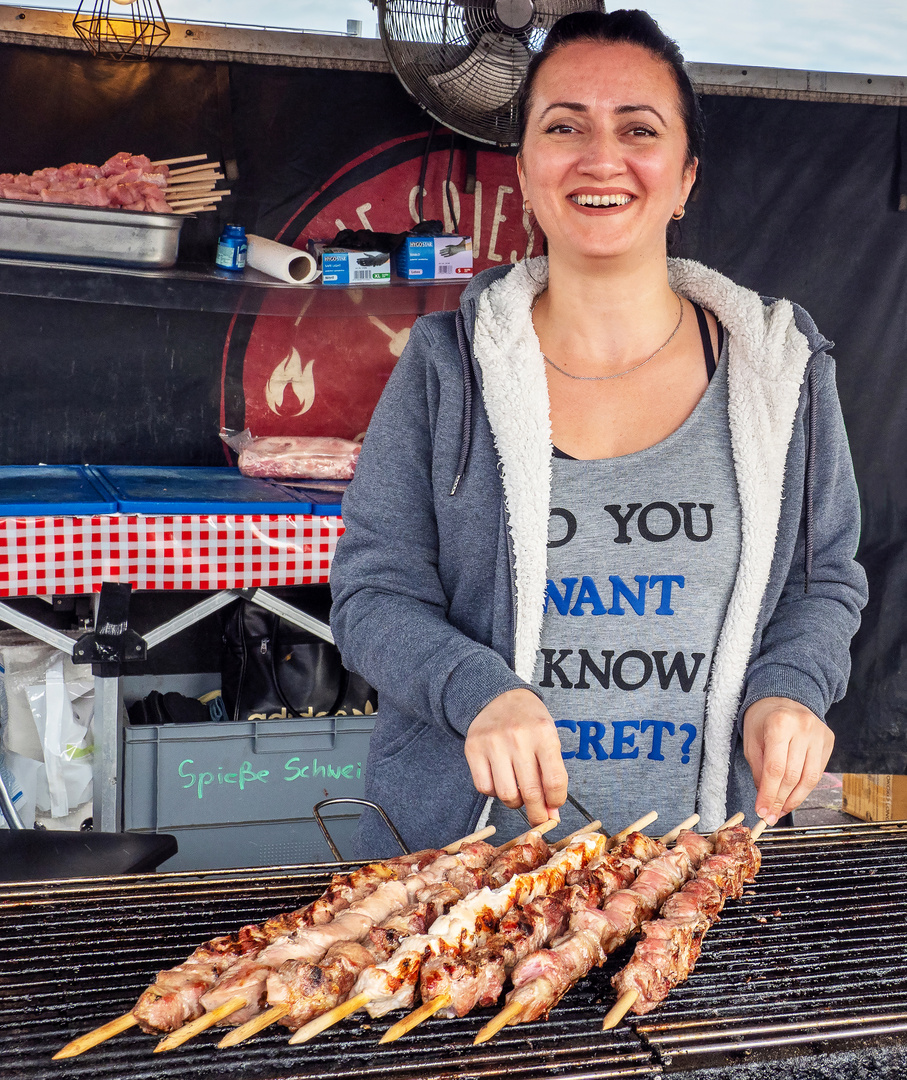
x=343, y=266
x=875, y=796
x=433, y=258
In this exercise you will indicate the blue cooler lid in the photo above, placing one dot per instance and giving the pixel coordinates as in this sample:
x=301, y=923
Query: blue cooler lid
x=324, y=495
x=141, y=489
x=48, y=490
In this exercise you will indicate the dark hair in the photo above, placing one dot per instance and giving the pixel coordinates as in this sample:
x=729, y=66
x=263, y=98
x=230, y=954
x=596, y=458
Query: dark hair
x=615, y=28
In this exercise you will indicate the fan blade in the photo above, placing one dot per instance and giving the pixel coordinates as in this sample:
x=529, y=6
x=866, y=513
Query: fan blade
x=489, y=77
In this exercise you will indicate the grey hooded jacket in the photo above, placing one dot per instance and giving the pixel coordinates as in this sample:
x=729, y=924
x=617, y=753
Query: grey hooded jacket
x=439, y=580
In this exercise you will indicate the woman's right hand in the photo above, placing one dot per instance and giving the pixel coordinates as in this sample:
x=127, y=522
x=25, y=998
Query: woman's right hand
x=514, y=754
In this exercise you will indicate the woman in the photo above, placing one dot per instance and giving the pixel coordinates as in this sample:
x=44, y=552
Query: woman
x=603, y=524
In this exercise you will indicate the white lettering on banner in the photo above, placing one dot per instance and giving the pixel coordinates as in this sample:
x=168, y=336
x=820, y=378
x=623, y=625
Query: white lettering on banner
x=496, y=222
x=339, y=224
x=361, y=211
x=477, y=219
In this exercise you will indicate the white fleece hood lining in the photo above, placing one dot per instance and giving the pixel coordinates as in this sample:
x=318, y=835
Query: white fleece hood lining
x=767, y=358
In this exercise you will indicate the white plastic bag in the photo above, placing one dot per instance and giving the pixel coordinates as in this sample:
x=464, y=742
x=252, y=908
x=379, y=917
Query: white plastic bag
x=66, y=740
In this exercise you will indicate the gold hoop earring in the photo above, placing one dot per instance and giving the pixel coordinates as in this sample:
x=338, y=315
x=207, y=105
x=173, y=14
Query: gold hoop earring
x=678, y=215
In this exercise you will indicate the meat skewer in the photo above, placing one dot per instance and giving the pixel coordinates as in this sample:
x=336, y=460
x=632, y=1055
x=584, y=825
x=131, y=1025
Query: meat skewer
x=454, y=986
x=541, y=979
x=392, y=984
x=173, y=997
x=671, y=944
x=304, y=991
x=237, y=995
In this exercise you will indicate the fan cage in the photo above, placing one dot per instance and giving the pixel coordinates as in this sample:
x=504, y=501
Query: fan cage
x=462, y=64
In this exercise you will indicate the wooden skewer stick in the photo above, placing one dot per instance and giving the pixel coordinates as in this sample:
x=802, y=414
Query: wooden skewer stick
x=199, y=200
x=94, y=1038
x=415, y=1018
x=180, y=160
x=759, y=829
x=191, y=189
x=196, y=1027
x=546, y=826
x=197, y=178
x=195, y=168
x=510, y=1014
x=620, y=1009
x=591, y=826
x=670, y=837
x=637, y=826
x=197, y=210
x=253, y=1026
x=331, y=1017
x=482, y=834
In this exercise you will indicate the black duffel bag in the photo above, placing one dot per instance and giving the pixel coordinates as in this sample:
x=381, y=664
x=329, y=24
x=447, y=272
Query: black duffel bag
x=272, y=669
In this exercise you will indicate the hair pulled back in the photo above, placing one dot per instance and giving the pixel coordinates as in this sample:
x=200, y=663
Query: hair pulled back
x=618, y=28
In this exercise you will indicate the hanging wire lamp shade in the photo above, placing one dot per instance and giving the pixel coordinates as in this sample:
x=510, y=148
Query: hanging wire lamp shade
x=117, y=34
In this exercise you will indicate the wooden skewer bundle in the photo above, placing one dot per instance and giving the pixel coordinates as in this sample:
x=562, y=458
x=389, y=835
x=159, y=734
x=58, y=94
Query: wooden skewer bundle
x=191, y=189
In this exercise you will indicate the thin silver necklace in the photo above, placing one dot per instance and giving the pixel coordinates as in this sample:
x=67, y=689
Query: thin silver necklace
x=604, y=378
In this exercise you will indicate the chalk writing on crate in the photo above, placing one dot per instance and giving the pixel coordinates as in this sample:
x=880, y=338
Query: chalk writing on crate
x=246, y=776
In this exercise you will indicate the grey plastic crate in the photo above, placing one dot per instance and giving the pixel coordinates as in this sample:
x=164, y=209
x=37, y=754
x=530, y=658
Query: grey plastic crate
x=242, y=794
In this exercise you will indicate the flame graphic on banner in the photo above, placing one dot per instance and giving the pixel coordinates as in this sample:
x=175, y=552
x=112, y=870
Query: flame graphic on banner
x=291, y=385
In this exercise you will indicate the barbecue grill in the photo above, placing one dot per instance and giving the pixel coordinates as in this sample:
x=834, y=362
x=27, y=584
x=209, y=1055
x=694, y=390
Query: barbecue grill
x=812, y=960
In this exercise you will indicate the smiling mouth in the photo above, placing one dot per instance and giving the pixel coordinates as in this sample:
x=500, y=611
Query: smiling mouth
x=601, y=200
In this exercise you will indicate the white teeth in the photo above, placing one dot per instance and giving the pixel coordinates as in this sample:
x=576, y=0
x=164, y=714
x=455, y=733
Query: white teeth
x=601, y=200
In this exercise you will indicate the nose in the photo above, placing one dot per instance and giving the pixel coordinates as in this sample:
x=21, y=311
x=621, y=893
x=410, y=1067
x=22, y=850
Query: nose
x=602, y=156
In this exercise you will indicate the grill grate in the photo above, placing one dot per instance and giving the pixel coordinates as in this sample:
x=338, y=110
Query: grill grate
x=814, y=955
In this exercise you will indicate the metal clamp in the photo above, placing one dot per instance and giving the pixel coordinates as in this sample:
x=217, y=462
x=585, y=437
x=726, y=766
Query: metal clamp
x=111, y=642
x=359, y=802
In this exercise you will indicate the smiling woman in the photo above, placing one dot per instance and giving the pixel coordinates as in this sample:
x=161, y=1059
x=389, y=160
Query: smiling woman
x=677, y=645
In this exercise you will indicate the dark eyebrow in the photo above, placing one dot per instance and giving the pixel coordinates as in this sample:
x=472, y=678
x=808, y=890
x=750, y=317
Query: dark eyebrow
x=578, y=106
x=639, y=108
x=574, y=106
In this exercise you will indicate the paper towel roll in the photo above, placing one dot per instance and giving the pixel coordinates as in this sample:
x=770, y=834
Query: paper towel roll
x=280, y=261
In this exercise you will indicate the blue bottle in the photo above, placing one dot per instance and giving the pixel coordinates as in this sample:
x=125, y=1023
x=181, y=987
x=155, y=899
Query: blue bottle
x=231, y=248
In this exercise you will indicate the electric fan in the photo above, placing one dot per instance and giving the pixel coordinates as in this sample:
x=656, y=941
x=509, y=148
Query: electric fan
x=463, y=60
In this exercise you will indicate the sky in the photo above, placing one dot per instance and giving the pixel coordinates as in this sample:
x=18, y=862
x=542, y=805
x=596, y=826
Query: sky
x=868, y=36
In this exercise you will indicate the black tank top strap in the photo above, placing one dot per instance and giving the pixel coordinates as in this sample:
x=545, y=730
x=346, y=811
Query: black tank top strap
x=706, y=340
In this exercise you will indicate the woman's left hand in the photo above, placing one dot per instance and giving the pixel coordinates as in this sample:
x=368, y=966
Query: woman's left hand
x=787, y=747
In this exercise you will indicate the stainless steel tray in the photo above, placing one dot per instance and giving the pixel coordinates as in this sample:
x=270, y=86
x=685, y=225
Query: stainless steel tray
x=88, y=234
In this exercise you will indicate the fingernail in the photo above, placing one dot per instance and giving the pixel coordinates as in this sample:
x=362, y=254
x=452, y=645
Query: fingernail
x=762, y=811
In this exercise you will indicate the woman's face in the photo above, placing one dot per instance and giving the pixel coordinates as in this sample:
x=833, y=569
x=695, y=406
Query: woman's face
x=605, y=127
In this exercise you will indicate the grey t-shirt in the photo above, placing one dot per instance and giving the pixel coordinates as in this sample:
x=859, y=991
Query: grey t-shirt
x=642, y=557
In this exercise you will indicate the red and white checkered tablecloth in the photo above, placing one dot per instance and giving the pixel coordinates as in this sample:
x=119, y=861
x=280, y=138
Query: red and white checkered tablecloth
x=72, y=555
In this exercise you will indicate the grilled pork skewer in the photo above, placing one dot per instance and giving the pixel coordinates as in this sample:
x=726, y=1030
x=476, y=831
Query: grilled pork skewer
x=455, y=985
x=302, y=991
x=542, y=979
x=238, y=995
x=392, y=984
x=243, y=986
x=671, y=944
x=174, y=996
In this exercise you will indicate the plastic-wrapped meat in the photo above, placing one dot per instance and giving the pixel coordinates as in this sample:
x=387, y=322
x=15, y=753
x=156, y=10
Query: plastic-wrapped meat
x=299, y=457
